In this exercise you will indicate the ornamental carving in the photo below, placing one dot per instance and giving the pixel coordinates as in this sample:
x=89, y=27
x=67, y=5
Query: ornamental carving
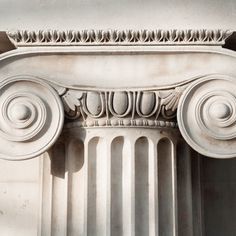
x=31, y=117
x=119, y=37
x=32, y=113
x=156, y=107
x=169, y=81
x=207, y=116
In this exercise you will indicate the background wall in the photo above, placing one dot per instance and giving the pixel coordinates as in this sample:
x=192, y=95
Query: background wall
x=219, y=196
x=78, y=14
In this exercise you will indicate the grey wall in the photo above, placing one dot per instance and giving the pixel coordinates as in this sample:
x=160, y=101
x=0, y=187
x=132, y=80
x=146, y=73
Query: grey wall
x=64, y=14
x=219, y=193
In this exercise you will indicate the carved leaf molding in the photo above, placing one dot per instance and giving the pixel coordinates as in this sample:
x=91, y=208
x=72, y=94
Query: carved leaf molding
x=119, y=37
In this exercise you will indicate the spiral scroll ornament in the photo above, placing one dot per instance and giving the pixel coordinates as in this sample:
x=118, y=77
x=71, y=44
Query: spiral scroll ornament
x=31, y=117
x=207, y=116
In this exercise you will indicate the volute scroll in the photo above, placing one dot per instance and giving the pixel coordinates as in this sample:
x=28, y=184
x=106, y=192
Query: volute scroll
x=207, y=116
x=31, y=117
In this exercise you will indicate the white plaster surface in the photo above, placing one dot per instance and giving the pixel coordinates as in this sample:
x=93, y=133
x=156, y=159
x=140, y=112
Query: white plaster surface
x=19, y=197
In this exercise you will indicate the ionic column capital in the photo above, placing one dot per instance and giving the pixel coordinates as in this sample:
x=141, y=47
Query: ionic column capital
x=124, y=79
x=33, y=109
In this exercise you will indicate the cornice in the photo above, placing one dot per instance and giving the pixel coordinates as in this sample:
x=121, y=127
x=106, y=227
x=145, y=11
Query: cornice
x=111, y=37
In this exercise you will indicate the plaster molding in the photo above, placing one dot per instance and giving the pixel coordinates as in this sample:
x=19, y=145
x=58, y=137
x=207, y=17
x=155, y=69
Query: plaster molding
x=33, y=109
x=32, y=112
x=207, y=116
x=123, y=123
x=31, y=117
x=119, y=37
x=171, y=78
x=121, y=104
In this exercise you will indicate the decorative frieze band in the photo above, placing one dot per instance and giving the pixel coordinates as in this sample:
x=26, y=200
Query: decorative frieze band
x=122, y=108
x=119, y=37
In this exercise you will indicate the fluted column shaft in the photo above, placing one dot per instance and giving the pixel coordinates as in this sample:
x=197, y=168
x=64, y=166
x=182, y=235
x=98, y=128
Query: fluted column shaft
x=112, y=181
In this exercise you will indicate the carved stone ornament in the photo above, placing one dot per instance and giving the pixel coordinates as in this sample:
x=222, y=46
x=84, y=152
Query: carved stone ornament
x=32, y=112
x=31, y=117
x=132, y=108
x=207, y=116
x=117, y=79
x=119, y=37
